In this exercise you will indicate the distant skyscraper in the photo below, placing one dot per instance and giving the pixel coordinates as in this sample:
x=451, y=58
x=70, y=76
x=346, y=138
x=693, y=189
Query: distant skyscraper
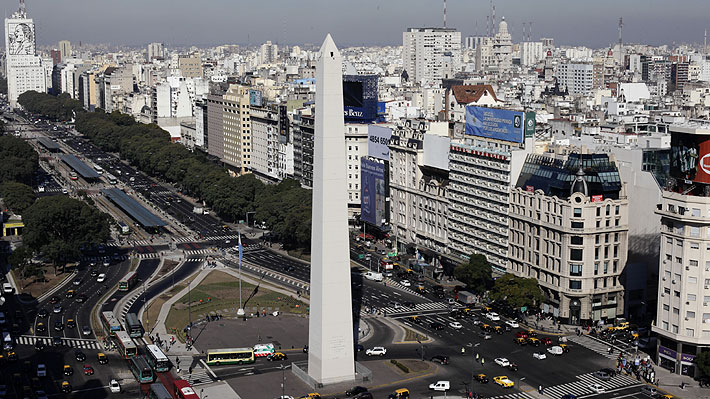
x=56, y=56
x=65, y=49
x=496, y=53
x=24, y=66
x=269, y=52
x=430, y=54
x=155, y=50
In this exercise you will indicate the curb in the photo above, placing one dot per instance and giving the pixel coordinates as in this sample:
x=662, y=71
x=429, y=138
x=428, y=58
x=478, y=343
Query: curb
x=49, y=293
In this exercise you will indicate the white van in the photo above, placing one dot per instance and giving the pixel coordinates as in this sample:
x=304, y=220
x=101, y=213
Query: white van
x=7, y=342
x=7, y=288
x=442, y=386
x=373, y=276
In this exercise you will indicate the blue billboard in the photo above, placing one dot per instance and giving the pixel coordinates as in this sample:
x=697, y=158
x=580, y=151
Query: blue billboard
x=360, y=98
x=372, y=192
x=501, y=124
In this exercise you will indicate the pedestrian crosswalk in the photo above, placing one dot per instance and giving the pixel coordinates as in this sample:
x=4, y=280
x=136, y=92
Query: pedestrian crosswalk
x=581, y=387
x=515, y=395
x=229, y=237
x=151, y=255
x=70, y=342
x=200, y=251
x=429, y=307
x=592, y=344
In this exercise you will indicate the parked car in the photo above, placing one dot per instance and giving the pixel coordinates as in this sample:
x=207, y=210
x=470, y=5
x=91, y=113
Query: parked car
x=376, y=351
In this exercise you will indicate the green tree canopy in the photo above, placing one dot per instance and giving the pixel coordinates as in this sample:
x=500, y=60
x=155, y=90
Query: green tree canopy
x=703, y=362
x=58, y=226
x=19, y=160
x=517, y=291
x=17, y=196
x=476, y=273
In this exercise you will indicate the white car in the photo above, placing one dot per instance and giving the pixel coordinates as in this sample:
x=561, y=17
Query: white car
x=455, y=325
x=101, y=278
x=406, y=283
x=376, y=351
x=441, y=386
x=493, y=316
x=115, y=386
x=555, y=350
x=503, y=362
x=41, y=370
x=539, y=355
x=596, y=388
x=7, y=288
x=512, y=323
x=373, y=276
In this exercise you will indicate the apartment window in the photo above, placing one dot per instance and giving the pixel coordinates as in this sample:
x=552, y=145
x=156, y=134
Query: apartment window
x=606, y=252
x=665, y=325
x=599, y=211
x=666, y=290
x=596, y=239
x=692, y=280
x=596, y=253
x=695, y=212
x=694, y=245
x=616, y=237
x=694, y=231
x=617, y=210
x=605, y=282
x=575, y=269
x=577, y=240
x=616, y=251
x=693, y=263
x=608, y=209
x=599, y=224
x=690, y=315
x=596, y=268
x=575, y=284
x=606, y=267
x=666, y=307
x=676, y=294
x=676, y=311
x=669, y=241
x=575, y=254
x=615, y=266
x=616, y=221
x=691, y=297
x=596, y=283
x=578, y=212
x=689, y=332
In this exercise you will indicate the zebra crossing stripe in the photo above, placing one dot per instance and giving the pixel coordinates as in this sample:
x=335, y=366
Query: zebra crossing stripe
x=581, y=387
x=71, y=342
x=420, y=307
x=516, y=395
x=593, y=345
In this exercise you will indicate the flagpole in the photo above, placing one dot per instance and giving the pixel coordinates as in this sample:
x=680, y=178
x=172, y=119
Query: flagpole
x=240, y=312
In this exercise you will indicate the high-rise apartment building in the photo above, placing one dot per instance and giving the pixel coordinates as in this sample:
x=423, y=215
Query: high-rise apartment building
x=268, y=53
x=569, y=231
x=190, y=66
x=236, y=128
x=303, y=130
x=496, y=53
x=156, y=51
x=531, y=53
x=24, y=71
x=427, y=52
x=576, y=77
x=356, y=143
x=64, y=49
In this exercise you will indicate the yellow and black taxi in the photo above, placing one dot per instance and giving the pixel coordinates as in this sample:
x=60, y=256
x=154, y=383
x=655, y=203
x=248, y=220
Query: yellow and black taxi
x=311, y=395
x=276, y=356
x=12, y=356
x=65, y=386
x=401, y=393
x=102, y=358
x=70, y=293
x=565, y=347
x=498, y=329
x=482, y=378
x=68, y=370
x=415, y=319
x=41, y=327
x=485, y=327
x=532, y=333
x=487, y=309
x=520, y=341
x=533, y=341
x=71, y=323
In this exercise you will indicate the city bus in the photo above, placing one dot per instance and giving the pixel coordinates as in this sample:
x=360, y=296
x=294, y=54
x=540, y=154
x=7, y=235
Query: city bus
x=183, y=390
x=110, y=323
x=73, y=176
x=128, y=281
x=141, y=370
x=123, y=228
x=217, y=357
x=99, y=169
x=126, y=347
x=157, y=359
x=158, y=391
x=111, y=178
x=133, y=326
x=387, y=263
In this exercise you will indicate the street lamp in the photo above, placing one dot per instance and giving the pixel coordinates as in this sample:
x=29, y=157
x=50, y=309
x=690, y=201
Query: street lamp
x=283, y=380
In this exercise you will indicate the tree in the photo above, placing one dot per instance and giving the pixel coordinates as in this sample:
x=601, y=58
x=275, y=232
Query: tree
x=58, y=226
x=19, y=259
x=703, y=362
x=517, y=291
x=19, y=160
x=476, y=273
x=17, y=196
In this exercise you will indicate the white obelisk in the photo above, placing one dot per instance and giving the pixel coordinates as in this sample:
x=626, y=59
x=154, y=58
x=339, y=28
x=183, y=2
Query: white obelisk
x=330, y=334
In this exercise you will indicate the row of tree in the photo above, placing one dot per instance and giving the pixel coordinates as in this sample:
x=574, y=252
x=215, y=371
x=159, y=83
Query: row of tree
x=58, y=108
x=514, y=291
x=285, y=207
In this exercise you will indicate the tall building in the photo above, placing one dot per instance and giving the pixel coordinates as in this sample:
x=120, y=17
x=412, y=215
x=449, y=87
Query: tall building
x=429, y=53
x=683, y=313
x=24, y=71
x=190, y=66
x=576, y=77
x=531, y=53
x=569, y=231
x=156, y=51
x=64, y=49
x=268, y=53
x=229, y=128
x=496, y=53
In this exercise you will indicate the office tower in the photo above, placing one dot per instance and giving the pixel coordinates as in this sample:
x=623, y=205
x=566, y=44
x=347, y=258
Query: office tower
x=531, y=53
x=65, y=49
x=569, y=230
x=269, y=53
x=330, y=323
x=156, y=51
x=25, y=71
x=429, y=53
x=576, y=77
x=190, y=66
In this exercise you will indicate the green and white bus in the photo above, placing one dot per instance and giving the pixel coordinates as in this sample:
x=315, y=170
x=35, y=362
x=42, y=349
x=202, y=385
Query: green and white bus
x=218, y=357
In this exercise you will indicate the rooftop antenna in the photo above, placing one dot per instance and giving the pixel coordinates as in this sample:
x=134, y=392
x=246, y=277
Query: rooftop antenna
x=23, y=11
x=524, y=37
x=705, y=44
x=493, y=32
x=444, y=14
x=488, y=26
x=621, y=26
x=530, y=31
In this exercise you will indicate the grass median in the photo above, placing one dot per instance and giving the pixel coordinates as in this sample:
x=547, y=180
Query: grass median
x=219, y=293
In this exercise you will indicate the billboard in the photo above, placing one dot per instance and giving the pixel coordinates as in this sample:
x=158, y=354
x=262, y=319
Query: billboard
x=501, y=124
x=529, y=124
x=372, y=192
x=378, y=140
x=690, y=157
x=360, y=98
x=255, y=98
x=20, y=39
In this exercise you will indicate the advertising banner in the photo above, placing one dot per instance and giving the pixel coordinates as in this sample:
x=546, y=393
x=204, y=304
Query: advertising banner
x=378, y=140
x=255, y=98
x=493, y=123
x=372, y=191
x=529, y=124
x=690, y=157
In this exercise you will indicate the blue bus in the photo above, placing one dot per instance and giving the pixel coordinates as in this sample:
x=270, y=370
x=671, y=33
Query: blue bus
x=141, y=370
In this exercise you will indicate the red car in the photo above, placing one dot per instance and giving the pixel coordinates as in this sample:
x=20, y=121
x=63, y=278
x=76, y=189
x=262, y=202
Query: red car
x=547, y=341
x=521, y=334
x=88, y=370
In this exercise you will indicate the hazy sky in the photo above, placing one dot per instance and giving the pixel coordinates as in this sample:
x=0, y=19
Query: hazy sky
x=591, y=23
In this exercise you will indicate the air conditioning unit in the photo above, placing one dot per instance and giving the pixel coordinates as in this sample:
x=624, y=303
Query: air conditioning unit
x=672, y=281
x=687, y=303
x=662, y=295
x=664, y=279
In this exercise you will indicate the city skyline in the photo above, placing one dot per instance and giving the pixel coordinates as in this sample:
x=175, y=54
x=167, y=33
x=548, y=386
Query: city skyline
x=191, y=23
